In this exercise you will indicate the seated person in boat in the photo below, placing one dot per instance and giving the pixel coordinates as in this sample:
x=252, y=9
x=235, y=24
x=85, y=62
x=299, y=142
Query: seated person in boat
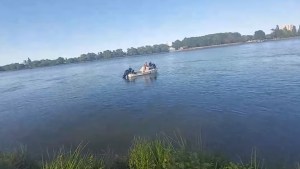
x=152, y=66
x=130, y=70
x=127, y=72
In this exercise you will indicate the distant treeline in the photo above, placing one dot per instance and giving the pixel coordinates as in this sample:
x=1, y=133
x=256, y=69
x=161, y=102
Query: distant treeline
x=226, y=38
x=28, y=64
x=192, y=42
x=284, y=33
x=209, y=40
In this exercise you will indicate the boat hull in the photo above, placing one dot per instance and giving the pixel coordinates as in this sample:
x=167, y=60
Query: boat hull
x=140, y=73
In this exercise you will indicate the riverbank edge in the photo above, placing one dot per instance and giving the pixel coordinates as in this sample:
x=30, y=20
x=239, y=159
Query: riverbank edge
x=234, y=44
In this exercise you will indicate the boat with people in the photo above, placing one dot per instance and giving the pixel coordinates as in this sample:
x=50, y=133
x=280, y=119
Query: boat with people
x=146, y=69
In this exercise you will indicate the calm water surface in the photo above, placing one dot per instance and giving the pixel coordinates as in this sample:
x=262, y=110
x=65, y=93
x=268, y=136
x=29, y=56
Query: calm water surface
x=237, y=97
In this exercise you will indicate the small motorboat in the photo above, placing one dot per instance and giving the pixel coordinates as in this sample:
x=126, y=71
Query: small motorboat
x=144, y=70
x=142, y=73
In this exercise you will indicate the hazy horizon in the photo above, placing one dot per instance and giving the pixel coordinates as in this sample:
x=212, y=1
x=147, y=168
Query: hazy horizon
x=42, y=29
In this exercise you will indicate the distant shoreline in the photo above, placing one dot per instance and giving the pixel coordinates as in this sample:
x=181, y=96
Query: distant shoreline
x=233, y=44
x=211, y=46
x=162, y=52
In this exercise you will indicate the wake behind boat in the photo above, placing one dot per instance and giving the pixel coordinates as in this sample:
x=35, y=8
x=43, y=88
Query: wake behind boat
x=146, y=69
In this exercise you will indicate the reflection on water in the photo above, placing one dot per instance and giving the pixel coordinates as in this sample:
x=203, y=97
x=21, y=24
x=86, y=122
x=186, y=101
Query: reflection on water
x=240, y=97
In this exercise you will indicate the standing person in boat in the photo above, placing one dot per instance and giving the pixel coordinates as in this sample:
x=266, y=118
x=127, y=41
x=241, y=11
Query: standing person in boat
x=145, y=67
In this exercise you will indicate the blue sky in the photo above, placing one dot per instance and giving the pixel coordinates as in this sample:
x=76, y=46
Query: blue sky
x=42, y=29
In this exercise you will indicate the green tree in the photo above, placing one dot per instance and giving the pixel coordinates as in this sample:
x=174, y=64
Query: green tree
x=164, y=48
x=156, y=49
x=259, y=35
x=141, y=50
x=91, y=56
x=107, y=54
x=13, y=66
x=276, y=32
x=83, y=58
x=48, y=62
x=132, y=51
x=294, y=31
x=118, y=53
x=100, y=55
x=60, y=60
x=281, y=34
x=71, y=60
x=36, y=63
x=286, y=33
x=246, y=38
x=28, y=60
x=148, y=49
x=29, y=63
x=177, y=44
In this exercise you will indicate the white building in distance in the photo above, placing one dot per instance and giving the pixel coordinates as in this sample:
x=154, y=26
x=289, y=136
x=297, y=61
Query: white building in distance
x=288, y=27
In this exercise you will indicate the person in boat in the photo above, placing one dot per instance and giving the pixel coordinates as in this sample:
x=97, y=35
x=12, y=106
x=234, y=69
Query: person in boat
x=131, y=71
x=145, y=67
x=150, y=65
x=125, y=75
x=154, y=66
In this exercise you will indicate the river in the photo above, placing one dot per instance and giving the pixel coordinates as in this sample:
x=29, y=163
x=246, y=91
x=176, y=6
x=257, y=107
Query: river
x=236, y=98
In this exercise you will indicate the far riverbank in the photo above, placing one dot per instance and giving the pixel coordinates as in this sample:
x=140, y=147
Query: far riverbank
x=234, y=44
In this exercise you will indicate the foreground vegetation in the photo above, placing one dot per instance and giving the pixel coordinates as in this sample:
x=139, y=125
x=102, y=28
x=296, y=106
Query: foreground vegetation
x=159, y=153
x=192, y=42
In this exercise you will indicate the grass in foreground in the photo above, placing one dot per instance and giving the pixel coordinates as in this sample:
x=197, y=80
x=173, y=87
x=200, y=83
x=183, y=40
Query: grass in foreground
x=163, y=154
x=74, y=160
x=159, y=153
x=18, y=159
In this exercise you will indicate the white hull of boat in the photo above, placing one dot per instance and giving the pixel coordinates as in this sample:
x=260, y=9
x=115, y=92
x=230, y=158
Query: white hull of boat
x=140, y=73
